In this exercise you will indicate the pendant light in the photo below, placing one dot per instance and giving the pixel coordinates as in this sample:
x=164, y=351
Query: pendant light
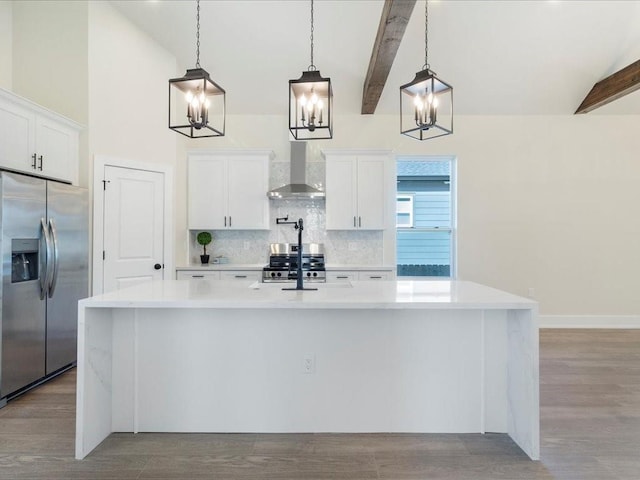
x=426, y=103
x=196, y=103
x=311, y=103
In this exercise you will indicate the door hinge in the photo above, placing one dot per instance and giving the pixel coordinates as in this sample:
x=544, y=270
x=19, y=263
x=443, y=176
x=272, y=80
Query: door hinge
x=104, y=184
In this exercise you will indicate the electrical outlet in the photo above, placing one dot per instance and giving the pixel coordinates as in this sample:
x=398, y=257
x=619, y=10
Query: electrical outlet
x=532, y=292
x=309, y=364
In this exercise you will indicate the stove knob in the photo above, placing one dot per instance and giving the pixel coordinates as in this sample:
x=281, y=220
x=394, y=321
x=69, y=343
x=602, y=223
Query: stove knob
x=315, y=274
x=279, y=274
x=308, y=274
x=273, y=274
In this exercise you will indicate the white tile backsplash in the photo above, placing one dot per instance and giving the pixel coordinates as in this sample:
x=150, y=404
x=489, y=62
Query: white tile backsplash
x=251, y=246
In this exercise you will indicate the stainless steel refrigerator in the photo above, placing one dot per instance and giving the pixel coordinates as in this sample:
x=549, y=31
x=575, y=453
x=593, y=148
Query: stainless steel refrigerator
x=44, y=245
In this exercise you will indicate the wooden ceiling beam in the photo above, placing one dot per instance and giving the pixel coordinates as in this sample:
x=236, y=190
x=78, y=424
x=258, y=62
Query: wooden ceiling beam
x=611, y=88
x=393, y=23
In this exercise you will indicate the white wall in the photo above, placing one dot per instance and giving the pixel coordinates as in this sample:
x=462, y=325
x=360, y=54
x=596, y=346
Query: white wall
x=50, y=55
x=6, y=44
x=128, y=75
x=549, y=203
x=50, y=61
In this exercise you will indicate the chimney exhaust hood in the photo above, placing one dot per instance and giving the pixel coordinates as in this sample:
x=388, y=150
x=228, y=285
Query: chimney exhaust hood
x=298, y=187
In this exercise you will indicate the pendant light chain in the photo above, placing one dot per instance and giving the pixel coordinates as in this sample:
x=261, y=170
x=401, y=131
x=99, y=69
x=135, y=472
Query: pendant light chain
x=426, y=35
x=312, y=66
x=198, y=34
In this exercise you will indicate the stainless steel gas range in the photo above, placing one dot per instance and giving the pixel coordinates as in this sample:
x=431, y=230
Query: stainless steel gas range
x=283, y=263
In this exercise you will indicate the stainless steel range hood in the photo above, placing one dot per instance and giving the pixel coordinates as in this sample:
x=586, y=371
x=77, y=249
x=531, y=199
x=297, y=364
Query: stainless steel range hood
x=298, y=188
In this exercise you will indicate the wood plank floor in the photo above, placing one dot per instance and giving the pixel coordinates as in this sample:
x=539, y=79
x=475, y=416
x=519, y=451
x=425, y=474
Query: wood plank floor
x=590, y=423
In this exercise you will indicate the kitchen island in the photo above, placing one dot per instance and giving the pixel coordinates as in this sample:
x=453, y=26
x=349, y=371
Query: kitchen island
x=386, y=356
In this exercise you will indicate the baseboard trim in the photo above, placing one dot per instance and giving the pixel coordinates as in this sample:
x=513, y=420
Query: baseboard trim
x=589, y=321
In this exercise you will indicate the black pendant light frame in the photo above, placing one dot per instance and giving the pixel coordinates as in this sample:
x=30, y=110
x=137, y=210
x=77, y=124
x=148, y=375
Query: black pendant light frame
x=314, y=122
x=195, y=92
x=426, y=103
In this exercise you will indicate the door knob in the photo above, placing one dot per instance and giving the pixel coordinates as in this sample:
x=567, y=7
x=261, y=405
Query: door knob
x=157, y=266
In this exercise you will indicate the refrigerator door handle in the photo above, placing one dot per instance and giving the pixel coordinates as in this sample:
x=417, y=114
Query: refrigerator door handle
x=45, y=258
x=56, y=258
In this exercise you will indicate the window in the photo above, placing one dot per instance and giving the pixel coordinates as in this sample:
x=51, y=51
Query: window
x=424, y=225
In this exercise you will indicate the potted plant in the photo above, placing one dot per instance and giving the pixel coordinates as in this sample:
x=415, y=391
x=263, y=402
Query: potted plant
x=204, y=239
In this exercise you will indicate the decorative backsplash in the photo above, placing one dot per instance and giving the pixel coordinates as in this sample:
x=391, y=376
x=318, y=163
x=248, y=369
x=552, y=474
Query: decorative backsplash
x=251, y=246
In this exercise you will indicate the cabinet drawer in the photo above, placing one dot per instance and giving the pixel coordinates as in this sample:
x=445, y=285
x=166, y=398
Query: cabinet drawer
x=246, y=275
x=341, y=276
x=194, y=274
x=381, y=275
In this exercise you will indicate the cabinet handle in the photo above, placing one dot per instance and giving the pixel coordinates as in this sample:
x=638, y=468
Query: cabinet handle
x=354, y=222
x=40, y=167
x=359, y=221
x=342, y=277
x=240, y=276
x=197, y=276
x=229, y=220
x=33, y=165
x=225, y=220
x=375, y=276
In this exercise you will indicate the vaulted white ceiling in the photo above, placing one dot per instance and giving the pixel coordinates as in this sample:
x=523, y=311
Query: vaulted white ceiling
x=502, y=57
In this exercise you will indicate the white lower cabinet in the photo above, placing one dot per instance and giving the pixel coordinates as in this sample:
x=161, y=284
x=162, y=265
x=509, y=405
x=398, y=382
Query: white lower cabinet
x=229, y=275
x=241, y=275
x=341, y=276
x=351, y=275
x=188, y=274
x=381, y=275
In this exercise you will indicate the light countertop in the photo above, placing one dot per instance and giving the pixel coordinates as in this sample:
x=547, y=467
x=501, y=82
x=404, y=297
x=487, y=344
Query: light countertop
x=357, y=268
x=222, y=266
x=204, y=293
x=259, y=266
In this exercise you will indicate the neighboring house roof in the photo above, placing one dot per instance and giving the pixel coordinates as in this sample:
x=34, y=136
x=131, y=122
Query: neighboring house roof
x=422, y=168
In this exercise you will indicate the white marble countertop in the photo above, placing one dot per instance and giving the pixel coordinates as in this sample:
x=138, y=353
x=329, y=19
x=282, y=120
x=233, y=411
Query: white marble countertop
x=331, y=267
x=259, y=266
x=204, y=293
x=222, y=266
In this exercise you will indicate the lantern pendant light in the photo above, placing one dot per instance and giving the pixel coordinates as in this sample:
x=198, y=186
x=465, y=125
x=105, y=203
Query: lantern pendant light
x=311, y=103
x=426, y=103
x=196, y=103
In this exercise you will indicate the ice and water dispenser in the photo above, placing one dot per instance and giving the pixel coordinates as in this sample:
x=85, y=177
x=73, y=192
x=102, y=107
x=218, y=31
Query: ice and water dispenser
x=24, y=259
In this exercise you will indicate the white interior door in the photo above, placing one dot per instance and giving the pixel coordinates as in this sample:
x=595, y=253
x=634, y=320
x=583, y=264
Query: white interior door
x=133, y=227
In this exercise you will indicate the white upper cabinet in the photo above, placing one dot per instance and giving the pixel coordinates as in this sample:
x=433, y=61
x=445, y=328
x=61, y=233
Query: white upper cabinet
x=57, y=150
x=228, y=190
x=37, y=141
x=357, y=187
